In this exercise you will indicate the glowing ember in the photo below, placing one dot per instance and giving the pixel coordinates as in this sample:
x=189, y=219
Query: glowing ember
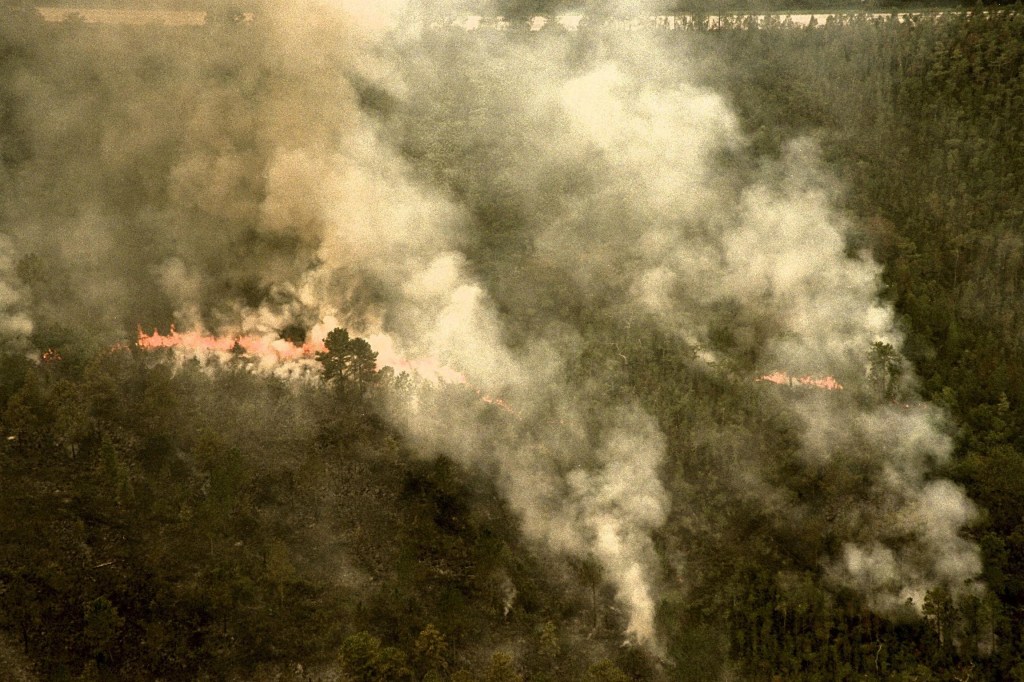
x=828, y=382
x=499, y=403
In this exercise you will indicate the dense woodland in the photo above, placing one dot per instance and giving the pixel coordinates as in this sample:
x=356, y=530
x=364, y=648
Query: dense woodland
x=171, y=521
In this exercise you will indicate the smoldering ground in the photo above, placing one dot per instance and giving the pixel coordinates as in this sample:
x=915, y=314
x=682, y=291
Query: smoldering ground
x=499, y=203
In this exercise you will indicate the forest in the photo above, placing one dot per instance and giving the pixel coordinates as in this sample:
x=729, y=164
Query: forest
x=195, y=515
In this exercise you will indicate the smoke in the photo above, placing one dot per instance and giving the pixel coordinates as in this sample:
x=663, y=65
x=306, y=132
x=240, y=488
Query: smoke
x=589, y=485
x=480, y=201
x=15, y=324
x=632, y=189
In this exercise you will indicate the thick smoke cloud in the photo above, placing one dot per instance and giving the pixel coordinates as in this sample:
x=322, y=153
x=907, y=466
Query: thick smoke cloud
x=476, y=200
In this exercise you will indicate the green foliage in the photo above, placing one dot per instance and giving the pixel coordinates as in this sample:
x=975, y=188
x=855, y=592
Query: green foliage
x=363, y=659
x=605, y=671
x=431, y=653
x=347, y=359
x=102, y=626
x=921, y=121
x=501, y=669
x=548, y=645
x=217, y=524
x=885, y=367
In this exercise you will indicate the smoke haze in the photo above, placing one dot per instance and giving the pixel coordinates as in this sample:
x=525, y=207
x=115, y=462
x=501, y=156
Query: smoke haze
x=482, y=201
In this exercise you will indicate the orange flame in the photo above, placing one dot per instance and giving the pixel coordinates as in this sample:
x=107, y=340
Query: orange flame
x=282, y=350
x=828, y=383
x=279, y=349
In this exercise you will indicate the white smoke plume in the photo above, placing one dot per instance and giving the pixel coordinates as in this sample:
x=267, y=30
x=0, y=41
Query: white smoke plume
x=346, y=171
x=660, y=224
x=589, y=485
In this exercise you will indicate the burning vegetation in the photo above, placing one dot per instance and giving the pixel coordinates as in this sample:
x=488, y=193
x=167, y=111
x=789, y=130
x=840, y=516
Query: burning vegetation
x=278, y=349
x=782, y=379
x=478, y=328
